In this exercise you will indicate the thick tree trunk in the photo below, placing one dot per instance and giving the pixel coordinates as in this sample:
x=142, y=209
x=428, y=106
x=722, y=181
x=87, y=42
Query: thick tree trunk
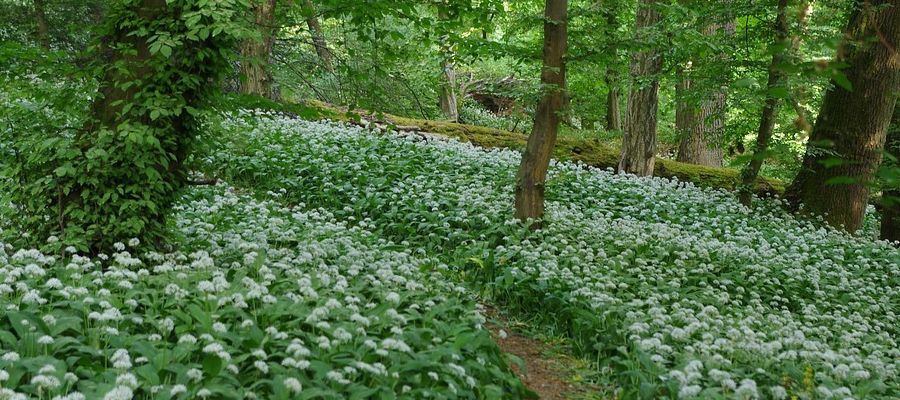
x=133, y=149
x=703, y=129
x=639, y=144
x=613, y=114
x=890, y=213
x=854, y=121
x=536, y=159
x=43, y=28
x=770, y=108
x=318, y=36
x=255, y=52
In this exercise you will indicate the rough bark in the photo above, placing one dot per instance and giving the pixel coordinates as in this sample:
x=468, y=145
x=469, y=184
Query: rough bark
x=613, y=114
x=318, y=36
x=890, y=212
x=770, y=107
x=255, y=52
x=639, y=144
x=43, y=28
x=853, y=122
x=703, y=126
x=448, y=102
x=529, y=193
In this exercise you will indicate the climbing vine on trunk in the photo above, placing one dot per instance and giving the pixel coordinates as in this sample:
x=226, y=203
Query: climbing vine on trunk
x=117, y=176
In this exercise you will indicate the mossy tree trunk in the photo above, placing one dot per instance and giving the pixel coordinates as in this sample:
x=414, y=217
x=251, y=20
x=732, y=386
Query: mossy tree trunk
x=770, y=108
x=853, y=120
x=43, y=28
x=529, y=193
x=639, y=144
x=890, y=212
x=255, y=52
x=318, y=36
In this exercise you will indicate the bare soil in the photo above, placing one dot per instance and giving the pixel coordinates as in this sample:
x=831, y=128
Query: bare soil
x=547, y=372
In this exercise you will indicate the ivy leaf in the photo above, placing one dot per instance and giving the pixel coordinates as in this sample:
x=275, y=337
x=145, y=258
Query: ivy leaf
x=842, y=81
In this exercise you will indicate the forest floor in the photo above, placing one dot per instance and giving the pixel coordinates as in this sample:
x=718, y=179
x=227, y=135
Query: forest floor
x=545, y=366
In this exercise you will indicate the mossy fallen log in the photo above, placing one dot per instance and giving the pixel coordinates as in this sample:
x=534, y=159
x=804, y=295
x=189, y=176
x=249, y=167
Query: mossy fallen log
x=589, y=151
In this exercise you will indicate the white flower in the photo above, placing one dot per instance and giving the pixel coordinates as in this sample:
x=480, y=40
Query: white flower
x=293, y=385
x=261, y=366
x=119, y=393
x=120, y=359
x=178, y=389
x=689, y=391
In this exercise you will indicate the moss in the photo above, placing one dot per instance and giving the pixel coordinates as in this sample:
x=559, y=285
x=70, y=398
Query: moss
x=589, y=151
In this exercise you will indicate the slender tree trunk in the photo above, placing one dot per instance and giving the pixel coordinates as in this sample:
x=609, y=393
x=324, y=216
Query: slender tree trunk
x=255, y=52
x=853, y=121
x=536, y=159
x=690, y=146
x=613, y=114
x=770, y=108
x=449, y=105
x=890, y=214
x=318, y=36
x=639, y=144
x=447, y=95
x=43, y=28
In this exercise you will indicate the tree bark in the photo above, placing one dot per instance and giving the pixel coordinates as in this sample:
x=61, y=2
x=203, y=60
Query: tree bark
x=43, y=28
x=318, y=36
x=255, y=52
x=853, y=122
x=639, y=144
x=770, y=107
x=448, y=102
x=529, y=194
x=703, y=128
x=890, y=213
x=447, y=92
x=613, y=114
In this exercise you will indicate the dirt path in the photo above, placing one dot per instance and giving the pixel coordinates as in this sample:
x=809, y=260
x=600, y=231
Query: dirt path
x=547, y=373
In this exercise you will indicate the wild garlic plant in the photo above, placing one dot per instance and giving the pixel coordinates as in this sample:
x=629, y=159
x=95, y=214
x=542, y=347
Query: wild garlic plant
x=679, y=291
x=263, y=302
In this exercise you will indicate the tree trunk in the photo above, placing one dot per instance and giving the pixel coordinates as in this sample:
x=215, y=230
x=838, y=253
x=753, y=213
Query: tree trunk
x=532, y=174
x=130, y=166
x=890, y=213
x=255, y=52
x=639, y=144
x=854, y=122
x=318, y=36
x=613, y=114
x=43, y=28
x=449, y=106
x=770, y=107
x=703, y=131
x=447, y=95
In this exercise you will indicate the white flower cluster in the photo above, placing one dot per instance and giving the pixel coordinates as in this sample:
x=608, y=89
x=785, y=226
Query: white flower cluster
x=266, y=301
x=746, y=303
